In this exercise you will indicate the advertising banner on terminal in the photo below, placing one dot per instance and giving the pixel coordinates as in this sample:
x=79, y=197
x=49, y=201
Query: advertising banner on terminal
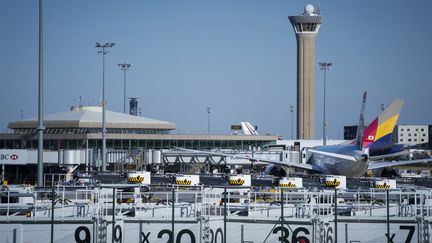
x=13, y=156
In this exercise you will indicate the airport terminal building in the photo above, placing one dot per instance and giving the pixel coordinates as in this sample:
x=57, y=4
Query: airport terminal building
x=80, y=128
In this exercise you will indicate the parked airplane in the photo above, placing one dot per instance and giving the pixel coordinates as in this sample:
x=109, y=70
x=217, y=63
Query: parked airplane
x=351, y=160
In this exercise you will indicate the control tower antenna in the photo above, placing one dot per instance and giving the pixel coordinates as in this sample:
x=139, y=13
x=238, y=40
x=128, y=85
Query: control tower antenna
x=306, y=28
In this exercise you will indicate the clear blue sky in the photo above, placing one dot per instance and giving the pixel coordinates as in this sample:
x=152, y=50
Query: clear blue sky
x=237, y=57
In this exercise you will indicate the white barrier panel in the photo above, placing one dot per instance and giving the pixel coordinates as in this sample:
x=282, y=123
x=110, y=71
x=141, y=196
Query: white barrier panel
x=36, y=233
x=184, y=232
x=211, y=231
x=376, y=232
x=269, y=232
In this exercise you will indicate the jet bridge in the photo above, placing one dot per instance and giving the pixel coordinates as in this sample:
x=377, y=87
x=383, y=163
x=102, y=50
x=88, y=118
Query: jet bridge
x=172, y=156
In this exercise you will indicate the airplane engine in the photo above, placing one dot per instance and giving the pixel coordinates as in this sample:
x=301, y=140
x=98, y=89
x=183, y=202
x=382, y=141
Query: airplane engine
x=275, y=170
x=385, y=172
x=361, y=156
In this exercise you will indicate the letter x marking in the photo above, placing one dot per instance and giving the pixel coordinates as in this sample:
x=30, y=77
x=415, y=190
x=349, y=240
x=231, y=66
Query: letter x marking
x=145, y=236
x=390, y=238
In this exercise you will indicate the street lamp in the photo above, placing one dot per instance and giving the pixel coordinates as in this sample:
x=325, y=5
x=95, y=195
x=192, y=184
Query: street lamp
x=292, y=121
x=208, y=120
x=40, y=126
x=103, y=52
x=325, y=66
x=124, y=67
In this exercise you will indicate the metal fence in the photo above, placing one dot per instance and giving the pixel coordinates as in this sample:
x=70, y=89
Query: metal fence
x=133, y=214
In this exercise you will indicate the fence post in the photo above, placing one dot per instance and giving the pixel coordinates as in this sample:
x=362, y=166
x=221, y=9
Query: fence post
x=52, y=213
x=113, y=215
x=335, y=198
x=282, y=215
x=388, y=215
x=172, y=216
x=225, y=215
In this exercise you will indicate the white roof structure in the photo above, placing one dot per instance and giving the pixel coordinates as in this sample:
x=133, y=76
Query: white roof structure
x=91, y=117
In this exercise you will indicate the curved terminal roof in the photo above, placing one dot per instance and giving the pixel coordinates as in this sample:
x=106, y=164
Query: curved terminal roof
x=91, y=117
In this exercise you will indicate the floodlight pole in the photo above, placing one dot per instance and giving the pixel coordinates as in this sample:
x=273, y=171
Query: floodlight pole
x=40, y=127
x=208, y=120
x=292, y=121
x=103, y=52
x=124, y=67
x=325, y=66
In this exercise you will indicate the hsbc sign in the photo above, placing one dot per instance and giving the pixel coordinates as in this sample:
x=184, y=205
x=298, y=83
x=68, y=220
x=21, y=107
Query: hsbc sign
x=9, y=156
x=13, y=156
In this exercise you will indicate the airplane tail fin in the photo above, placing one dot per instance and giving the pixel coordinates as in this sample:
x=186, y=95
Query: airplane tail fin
x=361, y=126
x=379, y=132
x=248, y=129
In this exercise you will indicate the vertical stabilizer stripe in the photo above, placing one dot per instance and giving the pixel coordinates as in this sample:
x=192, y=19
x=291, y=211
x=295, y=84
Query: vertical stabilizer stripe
x=370, y=133
x=386, y=127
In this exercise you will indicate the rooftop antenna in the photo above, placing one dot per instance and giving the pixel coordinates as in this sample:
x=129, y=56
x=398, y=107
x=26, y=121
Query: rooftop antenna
x=318, y=9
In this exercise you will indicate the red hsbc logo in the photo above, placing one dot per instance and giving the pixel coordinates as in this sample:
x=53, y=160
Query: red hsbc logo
x=8, y=156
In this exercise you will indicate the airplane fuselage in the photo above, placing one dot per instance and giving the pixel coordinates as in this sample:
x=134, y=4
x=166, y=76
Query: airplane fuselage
x=331, y=165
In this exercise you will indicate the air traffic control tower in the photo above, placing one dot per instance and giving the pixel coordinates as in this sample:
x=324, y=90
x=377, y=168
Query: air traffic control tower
x=306, y=27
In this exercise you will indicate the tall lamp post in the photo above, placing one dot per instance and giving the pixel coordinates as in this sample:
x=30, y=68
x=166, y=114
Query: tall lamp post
x=124, y=67
x=325, y=66
x=40, y=127
x=292, y=121
x=103, y=52
x=208, y=120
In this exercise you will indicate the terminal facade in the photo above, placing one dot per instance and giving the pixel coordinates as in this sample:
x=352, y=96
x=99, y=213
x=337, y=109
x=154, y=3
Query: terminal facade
x=80, y=128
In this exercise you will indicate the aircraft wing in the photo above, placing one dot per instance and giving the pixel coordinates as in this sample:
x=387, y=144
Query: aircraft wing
x=335, y=155
x=253, y=159
x=378, y=157
x=378, y=165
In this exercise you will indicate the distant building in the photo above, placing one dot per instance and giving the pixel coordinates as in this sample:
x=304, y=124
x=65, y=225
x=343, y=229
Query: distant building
x=350, y=132
x=68, y=134
x=80, y=128
x=430, y=136
x=413, y=135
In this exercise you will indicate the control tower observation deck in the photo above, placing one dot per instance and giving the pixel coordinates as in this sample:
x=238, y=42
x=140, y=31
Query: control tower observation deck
x=306, y=27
